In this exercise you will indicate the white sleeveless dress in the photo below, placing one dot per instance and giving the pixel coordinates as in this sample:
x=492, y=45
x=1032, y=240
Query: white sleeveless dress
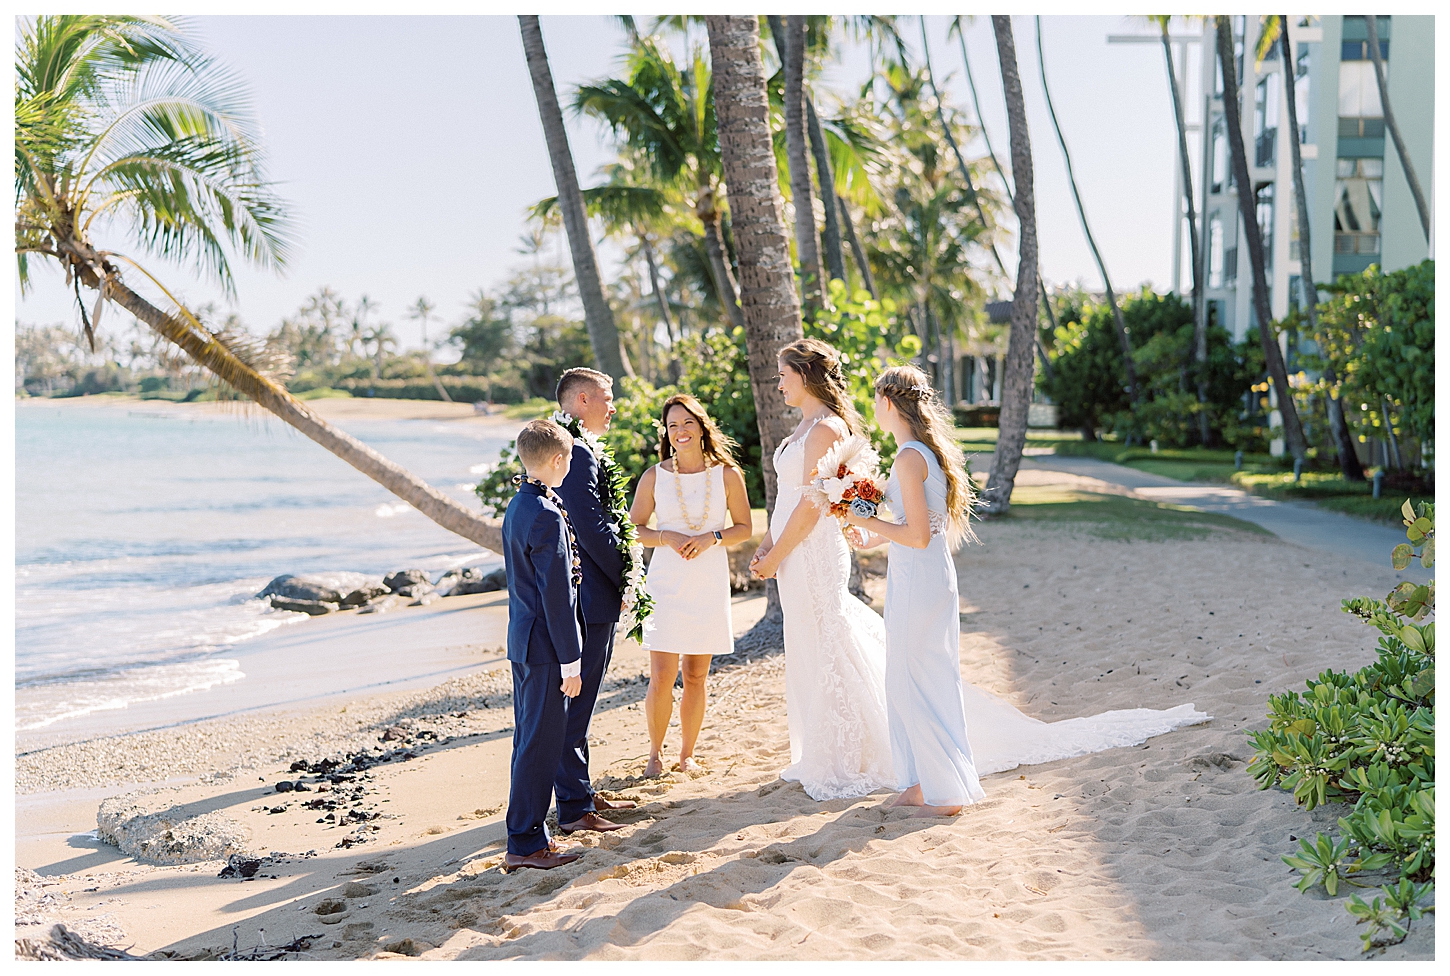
x=692, y=596
x=835, y=652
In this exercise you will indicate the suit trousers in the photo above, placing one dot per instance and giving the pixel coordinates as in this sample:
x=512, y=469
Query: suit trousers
x=571, y=783
x=540, y=715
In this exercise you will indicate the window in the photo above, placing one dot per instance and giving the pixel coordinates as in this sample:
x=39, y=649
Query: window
x=1358, y=196
x=1231, y=264
x=1222, y=174
x=1301, y=91
x=1215, y=251
x=1359, y=92
x=1296, y=293
x=1266, y=122
x=1264, y=212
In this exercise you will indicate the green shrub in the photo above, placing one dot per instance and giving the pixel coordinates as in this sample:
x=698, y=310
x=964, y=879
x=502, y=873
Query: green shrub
x=324, y=393
x=1368, y=739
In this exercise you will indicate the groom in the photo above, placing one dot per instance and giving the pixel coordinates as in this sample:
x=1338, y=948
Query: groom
x=585, y=394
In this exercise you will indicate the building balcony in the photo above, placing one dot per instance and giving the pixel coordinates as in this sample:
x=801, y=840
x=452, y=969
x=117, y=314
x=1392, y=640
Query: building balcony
x=1352, y=242
x=1264, y=147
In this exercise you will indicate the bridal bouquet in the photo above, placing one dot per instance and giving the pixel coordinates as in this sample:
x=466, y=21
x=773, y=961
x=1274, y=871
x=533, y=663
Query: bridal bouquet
x=848, y=479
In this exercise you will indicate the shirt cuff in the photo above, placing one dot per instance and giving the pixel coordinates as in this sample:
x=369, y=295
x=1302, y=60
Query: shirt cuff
x=570, y=670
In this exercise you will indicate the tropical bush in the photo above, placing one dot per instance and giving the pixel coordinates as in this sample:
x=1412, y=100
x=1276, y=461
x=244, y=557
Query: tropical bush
x=1088, y=381
x=1368, y=739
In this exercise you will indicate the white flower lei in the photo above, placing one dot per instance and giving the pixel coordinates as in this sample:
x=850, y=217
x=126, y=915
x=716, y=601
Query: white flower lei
x=638, y=604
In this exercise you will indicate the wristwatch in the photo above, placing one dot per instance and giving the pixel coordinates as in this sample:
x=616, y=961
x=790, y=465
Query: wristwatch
x=718, y=536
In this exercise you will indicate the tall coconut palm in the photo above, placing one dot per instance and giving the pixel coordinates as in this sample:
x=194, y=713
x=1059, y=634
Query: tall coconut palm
x=609, y=355
x=1276, y=28
x=666, y=119
x=1293, y=432
x=1129, y=371
x=421, y=311
x=122, y=118
x=1200, y=319
x=802, y=198
x=1017, y=369
x=1372, y=31
x=767, y=287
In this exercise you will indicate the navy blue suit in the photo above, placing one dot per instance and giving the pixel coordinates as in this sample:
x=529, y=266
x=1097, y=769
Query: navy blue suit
x=544, y=633
x=586, y=498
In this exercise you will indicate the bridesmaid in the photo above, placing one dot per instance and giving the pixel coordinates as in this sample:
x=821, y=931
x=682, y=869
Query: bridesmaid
x=697, y=495
x=931, y=496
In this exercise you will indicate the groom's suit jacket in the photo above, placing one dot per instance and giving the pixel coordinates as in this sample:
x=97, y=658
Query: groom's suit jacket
x=544, y=625
x=586, y=501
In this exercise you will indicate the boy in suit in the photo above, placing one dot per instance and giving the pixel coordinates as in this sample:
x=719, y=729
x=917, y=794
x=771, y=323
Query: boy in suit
x=545, y=641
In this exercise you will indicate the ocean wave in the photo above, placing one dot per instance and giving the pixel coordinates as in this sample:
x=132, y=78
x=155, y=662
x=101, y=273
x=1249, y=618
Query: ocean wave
x=39, y=707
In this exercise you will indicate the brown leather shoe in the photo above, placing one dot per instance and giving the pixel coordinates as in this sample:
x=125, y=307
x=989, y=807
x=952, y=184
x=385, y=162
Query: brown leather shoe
x=542, y=859
x=600, y=803
x=590, y=821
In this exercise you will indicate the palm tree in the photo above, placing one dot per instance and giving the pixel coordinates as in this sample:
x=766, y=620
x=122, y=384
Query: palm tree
x=1293, y=433
x=1200, y=320
x=381, y=338
x=1017, y=369
x=666, y=118
x=1372, y=31
x=1122, y=329
x=120, y=116
x=1276, y=27
x=609, y=355
x=421, y=311
x=767, y=289
x=358, y=326
x=807, y=251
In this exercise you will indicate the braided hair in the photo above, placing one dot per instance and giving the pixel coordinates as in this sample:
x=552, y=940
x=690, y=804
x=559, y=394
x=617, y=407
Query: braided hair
x=820, y=367
x=910, y=393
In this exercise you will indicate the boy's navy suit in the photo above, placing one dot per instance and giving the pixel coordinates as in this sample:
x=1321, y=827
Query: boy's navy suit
x=544, y=633
x=586, y=498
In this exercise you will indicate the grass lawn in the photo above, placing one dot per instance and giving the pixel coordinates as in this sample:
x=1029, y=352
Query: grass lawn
x=1119, y=517
x=1329, y=491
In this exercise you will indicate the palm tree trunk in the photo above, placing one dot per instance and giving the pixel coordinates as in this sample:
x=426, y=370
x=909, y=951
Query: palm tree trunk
x=802, y=197
x=1379, y=76
x=609, y=354
x=1128, y=369
x=1344, y=443
x=1293, y=433
x=437, y=384
x=826, y=183
x=654, y=284
x=1017, y=381
x=720, y=267
x=857, y=251
x=223, y=363
x=1200, y=320
x=767, y=289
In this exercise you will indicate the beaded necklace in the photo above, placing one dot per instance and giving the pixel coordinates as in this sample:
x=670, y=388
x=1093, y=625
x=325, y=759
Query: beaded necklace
x=680, y=494
x=576, y=571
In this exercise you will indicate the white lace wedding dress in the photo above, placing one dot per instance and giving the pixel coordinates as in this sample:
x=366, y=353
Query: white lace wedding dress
x=835, y=675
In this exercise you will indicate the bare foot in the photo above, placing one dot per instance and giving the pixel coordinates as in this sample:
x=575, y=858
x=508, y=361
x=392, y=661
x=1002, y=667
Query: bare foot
x=689, y=764
x=926, y=810
x=654, y=767
x=910, y=797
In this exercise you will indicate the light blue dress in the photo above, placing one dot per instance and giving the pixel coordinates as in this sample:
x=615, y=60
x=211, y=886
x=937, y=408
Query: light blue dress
x=925, y=713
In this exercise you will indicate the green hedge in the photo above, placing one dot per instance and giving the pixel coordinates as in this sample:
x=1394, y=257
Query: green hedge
x=463, y=389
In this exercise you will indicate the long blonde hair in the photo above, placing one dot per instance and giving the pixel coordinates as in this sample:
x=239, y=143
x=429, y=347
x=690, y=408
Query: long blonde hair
x=820, y=367
x=910, y=392
x=718, y=446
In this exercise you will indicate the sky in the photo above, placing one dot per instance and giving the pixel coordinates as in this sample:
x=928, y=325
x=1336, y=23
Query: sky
x=409, y=147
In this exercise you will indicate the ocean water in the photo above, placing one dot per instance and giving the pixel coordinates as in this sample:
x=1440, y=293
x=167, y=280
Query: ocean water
x=142, y=533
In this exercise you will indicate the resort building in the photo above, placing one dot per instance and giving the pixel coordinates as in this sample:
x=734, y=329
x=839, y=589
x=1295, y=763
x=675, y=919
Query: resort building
x=1361, y=210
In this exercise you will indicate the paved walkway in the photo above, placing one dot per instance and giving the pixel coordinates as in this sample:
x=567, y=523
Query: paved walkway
x=1302, y=523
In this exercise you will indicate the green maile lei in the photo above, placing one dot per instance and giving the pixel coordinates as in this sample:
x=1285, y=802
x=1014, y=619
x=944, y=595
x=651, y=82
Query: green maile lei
x=638, y=604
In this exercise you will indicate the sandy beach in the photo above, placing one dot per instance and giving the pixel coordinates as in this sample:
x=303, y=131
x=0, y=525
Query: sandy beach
x=1160, y=851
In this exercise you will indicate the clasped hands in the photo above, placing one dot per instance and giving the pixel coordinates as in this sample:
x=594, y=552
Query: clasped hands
x=688, y=546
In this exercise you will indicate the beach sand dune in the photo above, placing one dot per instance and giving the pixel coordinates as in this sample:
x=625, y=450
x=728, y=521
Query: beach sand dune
x=1159, y=851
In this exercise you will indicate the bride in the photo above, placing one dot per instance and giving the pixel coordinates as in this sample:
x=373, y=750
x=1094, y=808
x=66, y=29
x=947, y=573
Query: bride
x=835, y=646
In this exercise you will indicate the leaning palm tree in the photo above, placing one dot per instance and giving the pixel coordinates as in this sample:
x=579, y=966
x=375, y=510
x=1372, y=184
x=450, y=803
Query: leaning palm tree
x=1017, y=369
x=1372, y=32
x=421, y=311
x=120, y=120
x=1249, y=220
x=1276, y=28
x=802, y=197
x=767, y=291
x=1122, y=329
x=609, y=354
